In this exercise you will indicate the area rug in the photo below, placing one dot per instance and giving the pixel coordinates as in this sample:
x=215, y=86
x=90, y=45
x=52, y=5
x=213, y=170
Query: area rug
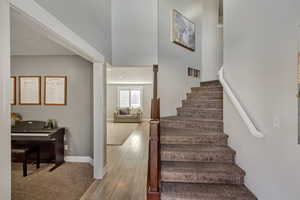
x=68, y=182
x=117, y=133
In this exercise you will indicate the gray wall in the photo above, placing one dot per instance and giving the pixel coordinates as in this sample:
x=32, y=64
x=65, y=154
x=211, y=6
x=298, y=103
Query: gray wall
x=77, y=115
x=5, y=155
x=112, y=99
x=174, y=60
x=134, y=32
x=261, y=66
x=91, y=20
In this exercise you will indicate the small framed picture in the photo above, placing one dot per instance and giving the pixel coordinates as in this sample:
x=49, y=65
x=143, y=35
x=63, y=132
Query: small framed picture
x=195, y=73
x=190, y=71
x=55, y=90
x=30, y=90
x=13, y=90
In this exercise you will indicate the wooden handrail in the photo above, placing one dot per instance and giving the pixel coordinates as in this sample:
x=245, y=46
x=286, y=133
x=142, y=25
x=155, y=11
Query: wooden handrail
x=153, y=181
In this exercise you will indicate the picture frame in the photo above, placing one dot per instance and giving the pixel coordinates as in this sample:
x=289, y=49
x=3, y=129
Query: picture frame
x=183, y=31
x=30, y=90
x=55, y=90
x=13, y=91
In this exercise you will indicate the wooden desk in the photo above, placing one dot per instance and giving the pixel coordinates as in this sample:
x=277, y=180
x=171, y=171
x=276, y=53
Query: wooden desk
x=50, y=141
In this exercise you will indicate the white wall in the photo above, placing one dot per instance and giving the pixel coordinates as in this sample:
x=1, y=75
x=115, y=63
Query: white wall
x=134, y=32
x=77, y=115
x=91, y=20
x=5, y=164
x=130, y=74
x=174, y=60
x=212, y=41
x=261, y=66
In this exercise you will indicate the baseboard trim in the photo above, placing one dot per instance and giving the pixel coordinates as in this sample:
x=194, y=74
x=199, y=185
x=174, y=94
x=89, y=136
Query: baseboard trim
x=79, y=159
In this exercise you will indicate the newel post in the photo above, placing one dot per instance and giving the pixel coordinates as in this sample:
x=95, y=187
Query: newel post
x=155, y=107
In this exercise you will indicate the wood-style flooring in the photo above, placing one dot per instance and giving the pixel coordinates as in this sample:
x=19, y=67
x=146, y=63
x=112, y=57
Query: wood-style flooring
x=126, y=176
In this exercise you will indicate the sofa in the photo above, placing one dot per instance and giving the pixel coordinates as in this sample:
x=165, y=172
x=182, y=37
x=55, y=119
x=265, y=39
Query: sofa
x=128, y=115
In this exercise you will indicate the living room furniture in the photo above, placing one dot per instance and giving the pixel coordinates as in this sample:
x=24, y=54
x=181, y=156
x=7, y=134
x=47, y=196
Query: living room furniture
x=128, y=115
x=24, y=152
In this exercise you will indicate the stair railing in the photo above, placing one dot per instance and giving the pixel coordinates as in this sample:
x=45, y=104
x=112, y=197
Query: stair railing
x=244, y=115
x=153, y=179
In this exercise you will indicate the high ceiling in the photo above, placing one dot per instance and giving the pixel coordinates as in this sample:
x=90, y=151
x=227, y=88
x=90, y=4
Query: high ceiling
x=26, y=39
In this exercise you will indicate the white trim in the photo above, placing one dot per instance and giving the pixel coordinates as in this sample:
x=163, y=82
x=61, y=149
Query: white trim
x=5, y=120
x=253, y=130
x=79, y=159
x=99, y=102
x=129, y=83
x=56, y=30
x=61, y=34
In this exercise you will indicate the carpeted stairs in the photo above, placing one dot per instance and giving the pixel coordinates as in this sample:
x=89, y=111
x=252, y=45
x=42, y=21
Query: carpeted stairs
x=196, y=161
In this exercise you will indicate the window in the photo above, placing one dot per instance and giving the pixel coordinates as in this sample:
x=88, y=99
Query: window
x=130, y=97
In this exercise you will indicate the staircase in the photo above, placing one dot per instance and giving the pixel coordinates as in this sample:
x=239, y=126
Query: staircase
x=196, y=162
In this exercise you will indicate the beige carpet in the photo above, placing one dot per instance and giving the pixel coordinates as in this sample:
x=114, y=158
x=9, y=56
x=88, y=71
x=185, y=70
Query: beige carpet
x=117, y=133
x=68, y=182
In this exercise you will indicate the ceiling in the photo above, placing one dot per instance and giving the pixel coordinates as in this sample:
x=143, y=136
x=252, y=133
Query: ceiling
x=26, y=39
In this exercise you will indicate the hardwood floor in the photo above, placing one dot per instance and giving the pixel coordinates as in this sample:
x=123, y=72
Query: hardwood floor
x=126, y=176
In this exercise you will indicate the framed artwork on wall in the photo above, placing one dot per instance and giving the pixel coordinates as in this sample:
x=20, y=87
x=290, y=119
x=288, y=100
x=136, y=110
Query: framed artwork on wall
x=13, y=90
x=29, y=90
x=55, y=93
x=183, y=31
x=195, y=73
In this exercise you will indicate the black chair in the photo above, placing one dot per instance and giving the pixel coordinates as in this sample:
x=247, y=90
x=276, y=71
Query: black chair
x=24, y=153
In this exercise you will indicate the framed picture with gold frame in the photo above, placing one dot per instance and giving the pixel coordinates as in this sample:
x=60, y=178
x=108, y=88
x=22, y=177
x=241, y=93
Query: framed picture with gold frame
x=183, y=31
x=55, y=92
x=13, y=90
x=30, y=90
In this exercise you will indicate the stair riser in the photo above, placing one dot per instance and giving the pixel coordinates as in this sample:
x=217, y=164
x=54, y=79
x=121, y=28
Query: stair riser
x=201, y=102
x=207, y=89
x=201, y=140
x=194, y=125
x=211, y=178
x=202, y=115
x=210, y=96
x=193, y=196
x=206, y=105
x=184, y=191
x=223, y=157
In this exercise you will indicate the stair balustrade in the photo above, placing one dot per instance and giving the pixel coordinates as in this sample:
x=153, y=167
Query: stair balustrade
x=153, y=179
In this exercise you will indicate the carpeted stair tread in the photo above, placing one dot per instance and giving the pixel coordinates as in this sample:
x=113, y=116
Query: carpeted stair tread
x=179, y=118
x=195, y=148
x=186, y=136
x=200, y=109
x=197, y=153
x=184, y=132
x=214, y=114
x=193, y=123
x=195, y=172
x=187, y=191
